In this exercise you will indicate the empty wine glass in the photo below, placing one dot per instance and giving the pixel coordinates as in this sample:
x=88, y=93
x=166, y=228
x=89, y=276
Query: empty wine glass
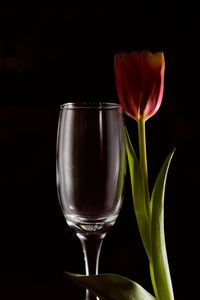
x=90, y=173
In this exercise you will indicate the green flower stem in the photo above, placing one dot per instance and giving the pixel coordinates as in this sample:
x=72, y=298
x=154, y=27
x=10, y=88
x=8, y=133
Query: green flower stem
x=143, y=162
x=150, y=214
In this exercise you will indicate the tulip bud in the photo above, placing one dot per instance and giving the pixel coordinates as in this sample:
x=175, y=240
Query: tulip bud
x=139, y=81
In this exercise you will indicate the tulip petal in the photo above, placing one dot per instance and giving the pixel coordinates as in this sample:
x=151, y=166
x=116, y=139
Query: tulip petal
x=153, y=60
x=129, y=91
x=152, y=69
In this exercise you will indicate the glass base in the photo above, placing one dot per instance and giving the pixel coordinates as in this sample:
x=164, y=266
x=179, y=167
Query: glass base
x=100, y=225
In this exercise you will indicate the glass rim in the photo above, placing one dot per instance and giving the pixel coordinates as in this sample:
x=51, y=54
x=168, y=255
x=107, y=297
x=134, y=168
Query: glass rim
x=90, y=105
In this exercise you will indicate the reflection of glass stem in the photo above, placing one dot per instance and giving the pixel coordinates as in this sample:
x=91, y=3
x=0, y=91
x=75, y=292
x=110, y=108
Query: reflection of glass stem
x=143, y=162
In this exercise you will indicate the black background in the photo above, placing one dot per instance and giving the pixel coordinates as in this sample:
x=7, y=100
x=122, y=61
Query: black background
x=55, y=53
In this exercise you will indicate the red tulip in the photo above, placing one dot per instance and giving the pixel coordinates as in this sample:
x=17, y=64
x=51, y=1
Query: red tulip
x=140, y=82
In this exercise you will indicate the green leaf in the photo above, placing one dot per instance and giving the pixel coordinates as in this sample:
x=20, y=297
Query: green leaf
x=138, y=193
x=153, y=280
x=160, y=267
x=111, y=287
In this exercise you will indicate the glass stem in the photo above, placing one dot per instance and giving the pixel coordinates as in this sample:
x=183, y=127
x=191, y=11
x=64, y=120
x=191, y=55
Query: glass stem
x=91, y=245
x=143, y=162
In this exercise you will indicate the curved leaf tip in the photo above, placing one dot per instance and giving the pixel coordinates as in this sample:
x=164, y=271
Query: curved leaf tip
x=111, y=287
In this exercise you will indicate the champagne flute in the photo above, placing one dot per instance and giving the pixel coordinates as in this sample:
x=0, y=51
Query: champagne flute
x=90, y=173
